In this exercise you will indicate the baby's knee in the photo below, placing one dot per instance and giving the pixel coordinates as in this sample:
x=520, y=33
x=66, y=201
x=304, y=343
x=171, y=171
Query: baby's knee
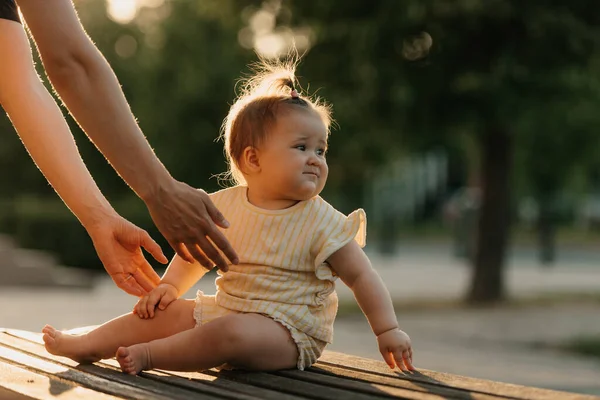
x=231, y=330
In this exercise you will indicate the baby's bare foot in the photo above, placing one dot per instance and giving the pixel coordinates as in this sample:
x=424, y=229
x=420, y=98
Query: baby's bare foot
x=62, y=344
x=134, y=359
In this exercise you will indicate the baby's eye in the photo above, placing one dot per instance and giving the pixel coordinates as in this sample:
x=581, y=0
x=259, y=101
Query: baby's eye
x=300, y=147
x=321, y=152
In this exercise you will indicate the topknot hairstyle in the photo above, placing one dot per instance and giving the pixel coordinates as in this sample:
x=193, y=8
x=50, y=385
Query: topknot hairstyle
x=262, y=97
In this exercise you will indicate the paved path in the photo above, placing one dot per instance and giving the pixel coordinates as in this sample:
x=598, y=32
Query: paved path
x=485, y=343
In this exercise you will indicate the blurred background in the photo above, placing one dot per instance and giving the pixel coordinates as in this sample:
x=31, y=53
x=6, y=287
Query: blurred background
x=468, y=131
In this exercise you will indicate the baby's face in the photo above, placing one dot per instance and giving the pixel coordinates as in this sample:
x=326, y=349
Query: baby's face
x=292, y=158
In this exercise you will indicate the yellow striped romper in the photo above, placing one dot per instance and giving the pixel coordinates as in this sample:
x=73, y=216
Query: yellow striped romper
x=283, y=272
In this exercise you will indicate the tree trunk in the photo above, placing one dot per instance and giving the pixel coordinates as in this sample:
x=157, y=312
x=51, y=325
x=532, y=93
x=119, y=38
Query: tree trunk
x=487, y=284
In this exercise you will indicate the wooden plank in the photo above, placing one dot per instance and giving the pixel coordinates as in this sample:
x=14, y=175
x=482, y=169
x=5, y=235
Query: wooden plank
x=28, y=384
x=6, y=394
x=299, y=388
x=79, y=377
x=422, y=376
x=336, y=375
x=213, y=378
x=112, y=373
x=373, y=384
x=196, y=381
x=357, y=386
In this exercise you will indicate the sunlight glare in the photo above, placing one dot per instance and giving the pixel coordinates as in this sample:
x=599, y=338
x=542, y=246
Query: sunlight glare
x=262, y=22
x=270, y=45
x=122, y=11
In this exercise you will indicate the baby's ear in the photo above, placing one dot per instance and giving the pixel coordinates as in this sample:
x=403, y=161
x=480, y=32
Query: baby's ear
x=250, y=160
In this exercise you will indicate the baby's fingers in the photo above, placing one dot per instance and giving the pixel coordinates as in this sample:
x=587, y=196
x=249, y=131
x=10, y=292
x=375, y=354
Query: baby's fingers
x=153, y=299
x=389, y=359
x=140, y=307
x=167, y=299
x=407, y=358
x=404, y=359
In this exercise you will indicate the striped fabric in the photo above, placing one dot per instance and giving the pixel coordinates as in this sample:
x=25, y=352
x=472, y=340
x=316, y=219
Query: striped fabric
x=283, y=271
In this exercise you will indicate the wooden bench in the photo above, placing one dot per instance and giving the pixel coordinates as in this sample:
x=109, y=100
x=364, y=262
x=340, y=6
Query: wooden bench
x=27, y=371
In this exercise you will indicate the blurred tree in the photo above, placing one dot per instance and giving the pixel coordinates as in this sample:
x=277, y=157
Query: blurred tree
x=490, y=62
x=516, y=79
x=553, y=151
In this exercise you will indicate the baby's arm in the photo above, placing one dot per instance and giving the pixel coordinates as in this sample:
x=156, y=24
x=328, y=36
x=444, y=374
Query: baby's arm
x=183, y=275
x=354, y=268
x=177, y=280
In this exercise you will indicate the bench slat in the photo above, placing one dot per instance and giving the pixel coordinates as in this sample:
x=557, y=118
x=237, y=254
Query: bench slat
x=369, y=383
x=212, y=378
x=42, y=367
x=472, y=385
x=164, y=382
x=36, y=374
x=6, y=394
x=19, y=383
x=161, y=387
x=300, y=388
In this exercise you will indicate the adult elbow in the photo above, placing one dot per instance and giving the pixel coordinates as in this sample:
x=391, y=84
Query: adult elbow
x=66, y=68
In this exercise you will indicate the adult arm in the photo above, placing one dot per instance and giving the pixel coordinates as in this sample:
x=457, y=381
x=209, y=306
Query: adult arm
x=90, y=90
x=46, y=136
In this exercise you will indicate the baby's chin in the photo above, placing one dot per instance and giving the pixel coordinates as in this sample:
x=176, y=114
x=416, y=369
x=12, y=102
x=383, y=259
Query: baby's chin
x=302, y=191
x=308, y=194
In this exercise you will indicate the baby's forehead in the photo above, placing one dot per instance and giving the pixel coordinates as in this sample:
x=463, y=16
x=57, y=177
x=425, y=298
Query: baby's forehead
x=301, y=116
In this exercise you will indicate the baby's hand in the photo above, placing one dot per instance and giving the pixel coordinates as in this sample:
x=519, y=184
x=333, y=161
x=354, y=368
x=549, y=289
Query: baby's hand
x=396, y=349
x=163, y=293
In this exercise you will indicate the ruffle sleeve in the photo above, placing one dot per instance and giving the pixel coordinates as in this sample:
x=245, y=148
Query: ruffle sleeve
x=338, y=233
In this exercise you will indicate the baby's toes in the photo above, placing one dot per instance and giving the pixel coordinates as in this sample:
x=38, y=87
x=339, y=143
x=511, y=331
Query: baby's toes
x=49, y=330
x=49, y=341
x=125, y=361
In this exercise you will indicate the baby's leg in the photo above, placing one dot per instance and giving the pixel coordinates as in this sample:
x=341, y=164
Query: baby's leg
x=125, y=330
x=248, y=341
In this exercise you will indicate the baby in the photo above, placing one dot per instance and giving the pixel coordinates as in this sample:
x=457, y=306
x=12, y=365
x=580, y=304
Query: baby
x=275, y=309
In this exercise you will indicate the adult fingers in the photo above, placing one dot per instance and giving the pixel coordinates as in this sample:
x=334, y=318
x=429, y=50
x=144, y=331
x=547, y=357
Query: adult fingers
x=182, y=252
x=115, y=270
x=209, y=250
x=143, y=280
x=152, y=247
x=128, y=285
x=215, y=214
x=217, y=237
x=150, y=274
x=198, y=255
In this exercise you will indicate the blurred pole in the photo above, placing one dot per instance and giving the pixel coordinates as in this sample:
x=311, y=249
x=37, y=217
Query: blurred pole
x=547, y=231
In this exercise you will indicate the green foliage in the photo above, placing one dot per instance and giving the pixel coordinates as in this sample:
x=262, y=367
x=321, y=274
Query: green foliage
x=528, y=67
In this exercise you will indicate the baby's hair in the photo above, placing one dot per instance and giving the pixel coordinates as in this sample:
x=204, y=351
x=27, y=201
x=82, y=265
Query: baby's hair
x=255, y=111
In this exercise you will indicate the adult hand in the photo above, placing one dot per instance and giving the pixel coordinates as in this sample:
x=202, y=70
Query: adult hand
x=188, y=219
x=119, y=245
